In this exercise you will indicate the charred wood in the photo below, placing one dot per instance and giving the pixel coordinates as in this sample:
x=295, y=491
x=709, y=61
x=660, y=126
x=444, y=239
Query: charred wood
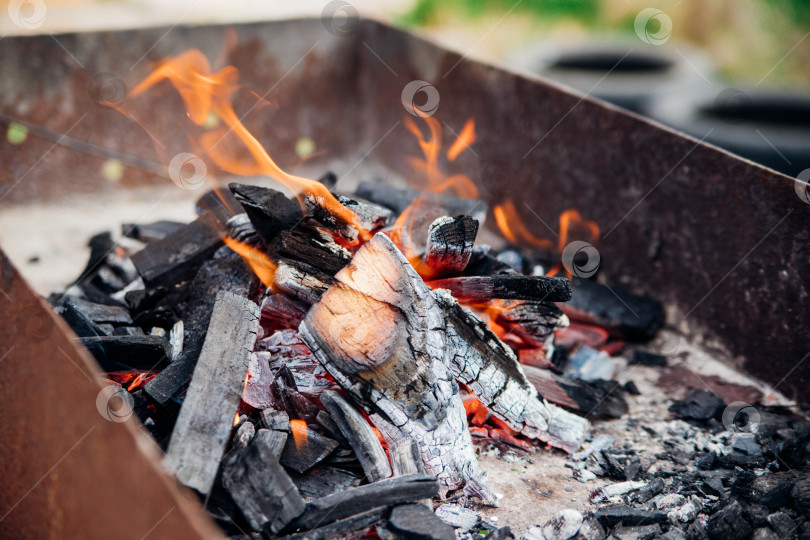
x=416, y=522
x=80, y=323
x=398, y=200
x=530, y=320
x=349, y=527
x=116, y=353
x=269, y=210
x=180, y=254
x=324, y=481
x=150, y=232
x=449, y=244
x=206, y=417
x=542, y=288
x=396, y=490
x=628, y=315
x=491, y=370
x=356, y=429
x=301, y=280
x=260, y=487
x=313, y=248
x=231, y=275
x=306, y=448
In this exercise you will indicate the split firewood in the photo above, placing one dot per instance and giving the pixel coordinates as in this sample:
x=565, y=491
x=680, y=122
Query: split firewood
x=206, y=417
x=269, y=210
x=260, y=486
x=491, y=370
x=543, y=288
x=449, y=244
x=361, y=437
x=381, y=335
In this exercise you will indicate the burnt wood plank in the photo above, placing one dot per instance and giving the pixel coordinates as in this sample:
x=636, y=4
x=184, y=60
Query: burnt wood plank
x=227, y=274
x=361, y=437
x=116, y=353
x=206, y=417
x=543, y=288
x=258, y=484
x=180, y=254
x=350, y=527
x=396, y=490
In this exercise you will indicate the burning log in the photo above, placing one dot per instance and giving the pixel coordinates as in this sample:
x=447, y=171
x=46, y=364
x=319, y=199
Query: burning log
x=381, y=335
x=206, y=417
x=260, y=487
x=449, y=244
x=269, y=210
x=490, y=369
x=178, y=255
x=542, y=288
x=230, y=274
x=306, y=448
x=361, y=437
x=396, y=490
x=116, y=353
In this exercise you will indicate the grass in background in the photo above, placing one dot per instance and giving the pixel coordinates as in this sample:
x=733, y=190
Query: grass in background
x=752, y=42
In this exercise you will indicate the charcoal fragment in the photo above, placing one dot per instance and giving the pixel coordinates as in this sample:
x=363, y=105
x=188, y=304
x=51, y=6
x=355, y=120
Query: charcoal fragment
x=699, y=405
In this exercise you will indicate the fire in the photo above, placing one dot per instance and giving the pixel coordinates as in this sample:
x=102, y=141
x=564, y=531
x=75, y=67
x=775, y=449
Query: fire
x=236, y=419
x=428, y=166
x=205, y=93
x=299, y=433
x=262, y=265
x=515, y=231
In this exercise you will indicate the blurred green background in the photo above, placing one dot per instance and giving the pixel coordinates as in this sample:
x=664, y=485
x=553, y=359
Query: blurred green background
x=746, y=39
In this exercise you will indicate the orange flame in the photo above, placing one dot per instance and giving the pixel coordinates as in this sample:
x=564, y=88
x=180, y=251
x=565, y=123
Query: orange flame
x=206, y=92
x=236, y=419
x=465, y=139
x=428, y=166
x=299, y=433
x=262, y=265
x=515, y=231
